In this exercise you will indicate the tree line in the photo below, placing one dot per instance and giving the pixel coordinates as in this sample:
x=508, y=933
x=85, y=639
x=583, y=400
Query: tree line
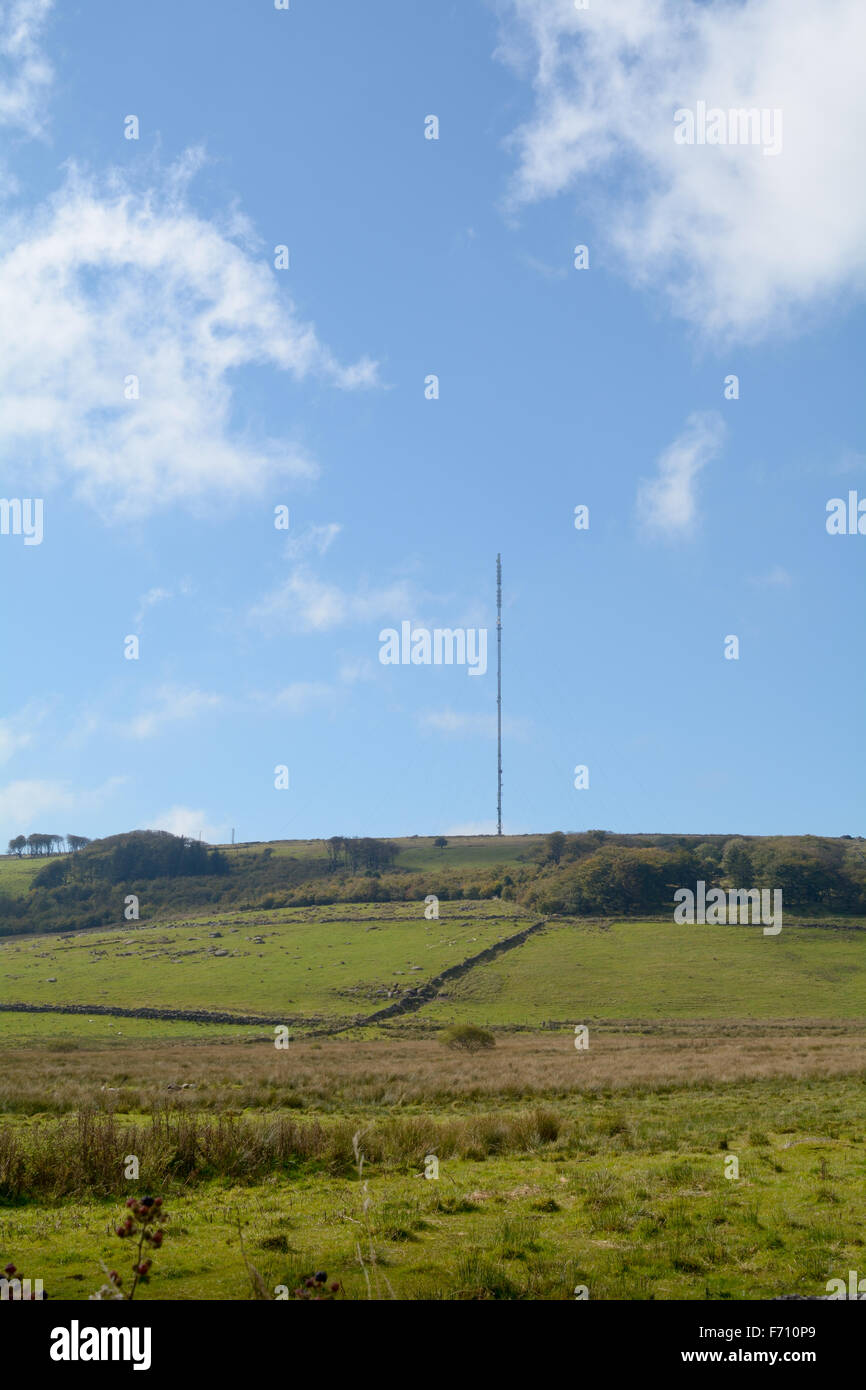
x=35, y=846
x=140, y=854
x=599, y=872
x=589, y=873
x=360, y=852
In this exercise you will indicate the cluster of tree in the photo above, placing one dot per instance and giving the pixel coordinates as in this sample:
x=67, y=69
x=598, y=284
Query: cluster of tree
x=140, y=855
x=613, y=879
x=190, y=878
x=38, y=845
x=589, y=874
x=360, y=853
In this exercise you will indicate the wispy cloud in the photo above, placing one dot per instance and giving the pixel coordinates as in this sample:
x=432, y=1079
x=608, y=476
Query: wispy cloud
x=667, y=503
x=452, y=722
x=776, y=578
x=301, y=697
x=357, y=669
x=25, y=804
x=19, y=730
x=11, y=739
x=171, y=705
x=158, y=595
x=314, y=539
x=149, y=600
x=176, y=704
x=542, y=268
x=306, y=603
x=25, y=72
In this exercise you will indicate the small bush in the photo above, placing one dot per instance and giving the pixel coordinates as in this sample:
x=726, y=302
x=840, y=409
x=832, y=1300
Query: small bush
x=468, y=1037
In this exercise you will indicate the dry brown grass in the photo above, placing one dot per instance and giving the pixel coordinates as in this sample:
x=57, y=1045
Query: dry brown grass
x=335, y=1073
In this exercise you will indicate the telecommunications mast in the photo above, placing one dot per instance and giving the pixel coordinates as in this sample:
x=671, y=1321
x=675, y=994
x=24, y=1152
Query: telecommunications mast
x=499, y=694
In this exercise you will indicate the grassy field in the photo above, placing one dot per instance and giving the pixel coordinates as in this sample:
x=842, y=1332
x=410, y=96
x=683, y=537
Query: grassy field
x=294, y=964
x=330, y=966
x=16, y=875
x=559, y=1167
x=624, y=1194
x=420, y=851
x=656, y=970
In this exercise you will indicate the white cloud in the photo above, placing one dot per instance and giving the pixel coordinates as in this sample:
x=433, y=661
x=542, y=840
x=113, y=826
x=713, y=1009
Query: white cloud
x=172, y=705
x=309, y=604
x=850, y=462
x=17, y=730
x=313, y=540
x=776, y=578
x=356, y=669
x=25, y=73
x=547, y=272
x=27, y=799
x=149, y=600
x=180, y=820
x=26, y=804
x=11, y=739
x=301, y=697
x=473, y=725
x=106, y=284
x=160, y=595
x=741, y=242
x=667, y=502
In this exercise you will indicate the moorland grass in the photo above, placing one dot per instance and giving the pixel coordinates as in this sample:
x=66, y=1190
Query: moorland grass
x=626, y=1195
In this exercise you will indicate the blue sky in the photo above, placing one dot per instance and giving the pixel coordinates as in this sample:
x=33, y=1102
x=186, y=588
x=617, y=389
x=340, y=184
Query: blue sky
x=306, y=387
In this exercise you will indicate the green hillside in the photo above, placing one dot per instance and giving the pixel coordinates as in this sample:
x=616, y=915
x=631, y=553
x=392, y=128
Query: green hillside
x=656, y=970
x=299, y=965
x=334, y=967
x=16, y=875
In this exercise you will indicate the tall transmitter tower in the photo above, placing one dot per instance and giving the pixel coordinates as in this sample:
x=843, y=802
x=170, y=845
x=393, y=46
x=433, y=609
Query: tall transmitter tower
x=499, y=694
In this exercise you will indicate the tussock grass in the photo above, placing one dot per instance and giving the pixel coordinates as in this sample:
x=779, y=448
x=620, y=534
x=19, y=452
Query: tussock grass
x=85, y=1154
x=532, y=1217
x=336, y=1074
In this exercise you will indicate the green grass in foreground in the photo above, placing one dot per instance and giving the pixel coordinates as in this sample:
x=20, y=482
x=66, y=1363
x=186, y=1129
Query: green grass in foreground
x=630, y=1200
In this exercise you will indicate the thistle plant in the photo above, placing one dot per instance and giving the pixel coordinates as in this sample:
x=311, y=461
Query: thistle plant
x=143, y=1225
x=317, y=1288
